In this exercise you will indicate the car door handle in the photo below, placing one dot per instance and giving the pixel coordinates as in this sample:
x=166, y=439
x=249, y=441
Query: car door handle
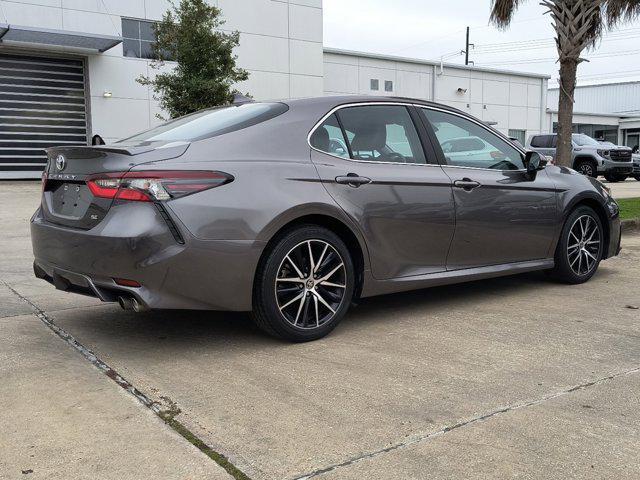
x=466, y=184
x=353, y=180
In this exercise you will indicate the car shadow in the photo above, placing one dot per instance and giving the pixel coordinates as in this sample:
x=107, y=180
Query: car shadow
x=189, y=329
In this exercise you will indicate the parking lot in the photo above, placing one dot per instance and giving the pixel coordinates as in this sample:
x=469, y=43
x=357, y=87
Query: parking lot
x=630, y=188
x=517, y=377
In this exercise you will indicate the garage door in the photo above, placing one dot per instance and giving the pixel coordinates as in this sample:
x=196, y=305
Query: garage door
x=42, y=104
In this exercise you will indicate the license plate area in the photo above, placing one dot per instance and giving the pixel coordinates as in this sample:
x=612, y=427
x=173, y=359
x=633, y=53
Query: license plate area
x=70, y=199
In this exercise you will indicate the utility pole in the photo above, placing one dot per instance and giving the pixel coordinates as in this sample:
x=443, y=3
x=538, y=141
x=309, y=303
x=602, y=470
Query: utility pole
x=466, y=49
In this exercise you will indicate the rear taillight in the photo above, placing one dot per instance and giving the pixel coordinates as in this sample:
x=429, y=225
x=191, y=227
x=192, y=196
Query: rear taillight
x=153, y=186
x=44, y=180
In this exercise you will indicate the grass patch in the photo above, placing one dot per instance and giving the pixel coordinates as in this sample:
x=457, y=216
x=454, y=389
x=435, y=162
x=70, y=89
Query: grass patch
x=629, y=208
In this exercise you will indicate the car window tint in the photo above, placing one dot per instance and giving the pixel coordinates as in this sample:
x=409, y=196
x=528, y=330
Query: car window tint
x=382, y=133
x=540, y=141
x=328, y=138
x=466, y=144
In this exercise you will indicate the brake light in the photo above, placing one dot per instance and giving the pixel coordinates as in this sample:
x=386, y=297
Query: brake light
x=44, y=180
x=152, y=186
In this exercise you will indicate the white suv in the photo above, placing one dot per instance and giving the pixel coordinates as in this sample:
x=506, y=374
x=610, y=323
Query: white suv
x=589, y=157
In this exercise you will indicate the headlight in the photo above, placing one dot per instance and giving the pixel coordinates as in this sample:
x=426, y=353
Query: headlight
x=604, y=153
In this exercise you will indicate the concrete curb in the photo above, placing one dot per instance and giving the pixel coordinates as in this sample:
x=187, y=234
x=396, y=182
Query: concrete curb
x=631, y=225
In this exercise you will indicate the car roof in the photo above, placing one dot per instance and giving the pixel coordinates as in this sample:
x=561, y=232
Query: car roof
x=332, y=101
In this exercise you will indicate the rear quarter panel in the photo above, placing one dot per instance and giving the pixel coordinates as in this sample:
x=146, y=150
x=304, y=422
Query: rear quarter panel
x=262, y=198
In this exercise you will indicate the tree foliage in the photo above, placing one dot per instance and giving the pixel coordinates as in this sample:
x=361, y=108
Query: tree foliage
x=578, y=24
x=189, y=34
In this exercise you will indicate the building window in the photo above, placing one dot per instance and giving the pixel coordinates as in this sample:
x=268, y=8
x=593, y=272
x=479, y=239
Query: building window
x=138, y=38
x=520, y=135
x=388, y=86
x=375, y=84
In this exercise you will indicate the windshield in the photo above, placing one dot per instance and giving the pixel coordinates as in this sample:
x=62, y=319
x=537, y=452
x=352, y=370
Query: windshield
x=584, y=140
x=209, y=123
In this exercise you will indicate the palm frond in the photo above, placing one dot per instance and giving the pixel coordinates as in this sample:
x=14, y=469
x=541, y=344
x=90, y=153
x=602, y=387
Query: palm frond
x=620, y=11
x=502, y=12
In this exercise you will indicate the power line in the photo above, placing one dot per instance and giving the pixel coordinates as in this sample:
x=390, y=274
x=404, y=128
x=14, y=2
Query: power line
x=619, y=34
x=439, y=39
x=537, y=44
x=554, y=59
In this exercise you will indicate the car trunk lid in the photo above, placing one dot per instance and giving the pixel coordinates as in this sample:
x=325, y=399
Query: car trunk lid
x=67, y=199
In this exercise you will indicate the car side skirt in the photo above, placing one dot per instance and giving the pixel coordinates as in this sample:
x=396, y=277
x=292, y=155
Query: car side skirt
x=374, y=287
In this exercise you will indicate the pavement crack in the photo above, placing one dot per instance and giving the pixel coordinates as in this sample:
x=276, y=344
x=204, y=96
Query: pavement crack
x=419, y=438
x=167, y=415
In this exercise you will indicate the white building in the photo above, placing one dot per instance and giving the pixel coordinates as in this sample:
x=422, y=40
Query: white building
x=610, y=111
x=68, y=70
x=512, y=102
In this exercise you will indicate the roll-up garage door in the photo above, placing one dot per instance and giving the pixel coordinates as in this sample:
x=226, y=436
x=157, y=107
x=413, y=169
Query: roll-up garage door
x=42, y=104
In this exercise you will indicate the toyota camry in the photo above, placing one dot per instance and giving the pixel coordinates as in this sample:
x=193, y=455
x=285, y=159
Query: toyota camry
x=294, y=210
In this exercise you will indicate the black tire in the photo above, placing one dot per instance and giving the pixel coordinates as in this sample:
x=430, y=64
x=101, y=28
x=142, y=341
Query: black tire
x=270, y=312
x=564, y=269
x=637, y=177
x=615, y=177
x=586, y=167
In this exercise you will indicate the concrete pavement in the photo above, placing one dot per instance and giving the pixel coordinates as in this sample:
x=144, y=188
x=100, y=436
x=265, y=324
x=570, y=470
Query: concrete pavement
x=513, y=377
x=630, y=188
x=62, y=419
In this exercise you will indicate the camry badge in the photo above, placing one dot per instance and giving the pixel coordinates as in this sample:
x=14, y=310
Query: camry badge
x=61, y=162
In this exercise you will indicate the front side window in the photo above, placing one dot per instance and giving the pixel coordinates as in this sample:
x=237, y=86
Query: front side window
x=383, y=133
x=328, y=138
x=466, y=144
x=210, y=123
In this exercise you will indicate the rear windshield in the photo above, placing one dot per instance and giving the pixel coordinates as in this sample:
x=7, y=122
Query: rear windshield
x=209, y=123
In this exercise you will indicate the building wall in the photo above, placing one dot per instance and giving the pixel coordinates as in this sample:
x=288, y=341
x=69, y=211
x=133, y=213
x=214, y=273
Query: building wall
x=614, y=98
x=510, y=100
x=280, y=46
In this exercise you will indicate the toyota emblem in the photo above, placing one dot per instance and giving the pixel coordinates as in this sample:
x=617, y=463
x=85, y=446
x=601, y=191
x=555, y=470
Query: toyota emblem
x=61, y=162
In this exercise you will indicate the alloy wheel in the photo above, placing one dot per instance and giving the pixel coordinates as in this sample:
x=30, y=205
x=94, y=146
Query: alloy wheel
x=586, y=169
x=311, y=284
x=583, y=247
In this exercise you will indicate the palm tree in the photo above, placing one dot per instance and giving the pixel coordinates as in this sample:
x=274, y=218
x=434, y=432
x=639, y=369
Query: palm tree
x=579, y=24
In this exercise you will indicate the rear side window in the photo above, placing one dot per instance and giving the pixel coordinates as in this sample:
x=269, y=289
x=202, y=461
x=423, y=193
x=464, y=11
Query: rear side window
x=542, y=141
x=383, y=133
x=329, y=138
x=210, y=123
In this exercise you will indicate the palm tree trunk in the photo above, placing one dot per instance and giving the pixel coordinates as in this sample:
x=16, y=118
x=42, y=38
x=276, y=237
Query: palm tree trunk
x=568, y=69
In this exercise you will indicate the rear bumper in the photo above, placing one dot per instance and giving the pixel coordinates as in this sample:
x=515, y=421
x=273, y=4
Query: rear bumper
x=135, y=242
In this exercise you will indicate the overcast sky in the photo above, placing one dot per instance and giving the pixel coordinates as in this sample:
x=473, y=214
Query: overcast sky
x=432, y=28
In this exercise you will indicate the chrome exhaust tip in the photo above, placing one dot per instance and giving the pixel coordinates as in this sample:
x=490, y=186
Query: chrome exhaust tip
x=137, y=306
x=126, y=303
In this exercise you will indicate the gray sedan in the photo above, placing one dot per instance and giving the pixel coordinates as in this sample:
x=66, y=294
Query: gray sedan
x=292, y=210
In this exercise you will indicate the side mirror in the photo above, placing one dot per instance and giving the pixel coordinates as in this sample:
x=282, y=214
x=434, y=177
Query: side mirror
x=533, y=161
